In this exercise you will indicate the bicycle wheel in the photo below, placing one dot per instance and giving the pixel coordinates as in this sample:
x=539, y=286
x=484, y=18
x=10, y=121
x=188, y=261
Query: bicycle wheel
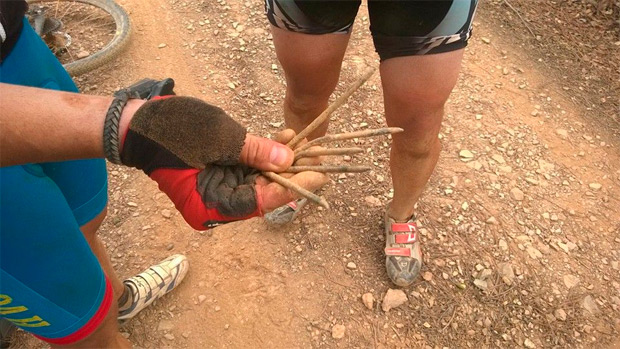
x=98, y=30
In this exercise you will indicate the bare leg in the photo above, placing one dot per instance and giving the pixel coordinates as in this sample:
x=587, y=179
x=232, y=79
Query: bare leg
x=415, y=90
x=107, y=335
x=311, y=66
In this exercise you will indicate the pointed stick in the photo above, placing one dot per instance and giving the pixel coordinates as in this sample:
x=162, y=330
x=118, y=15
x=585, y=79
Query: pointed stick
x=324, y=116
x=326, y=152
x=349, y=135
x=296, y=188
x=329, y=168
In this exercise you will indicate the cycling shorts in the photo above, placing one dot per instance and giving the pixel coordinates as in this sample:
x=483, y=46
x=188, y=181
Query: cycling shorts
x=399, y=28
x=51, y=284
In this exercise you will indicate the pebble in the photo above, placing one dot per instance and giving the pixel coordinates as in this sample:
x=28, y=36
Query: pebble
x=169, y=336
x=590, y=305
x=338, y=331
x=369, y=300
x=529, y=344
x=202, y=298
x=466, y=155
x=517, y=194
x=595, y=186
x=498, y=158
x=298, y=248
x=170, y=246
x=132, y=204
x=503, y=244
x=125, y=335
x=560, y=314
x=166, y=213
x=373, y=201
x=506, y=272
x=393, y=299
x=351, y=265
x=562, y=132
x=82, y=54
x=492, y=220
x=165, y=325
x=485, y=40
x=218, y=308
x=428, y=276
x=481, y=284
x=162, y=45
x=533, y=252
x=570, y=281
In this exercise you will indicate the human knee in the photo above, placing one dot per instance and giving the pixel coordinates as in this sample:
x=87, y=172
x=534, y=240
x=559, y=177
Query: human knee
x=303, y=101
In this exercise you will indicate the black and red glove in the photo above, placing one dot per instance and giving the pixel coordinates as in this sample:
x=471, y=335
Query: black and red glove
x=192, y=150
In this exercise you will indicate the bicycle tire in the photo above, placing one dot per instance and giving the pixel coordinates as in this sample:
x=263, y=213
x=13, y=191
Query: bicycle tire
x=113, y=48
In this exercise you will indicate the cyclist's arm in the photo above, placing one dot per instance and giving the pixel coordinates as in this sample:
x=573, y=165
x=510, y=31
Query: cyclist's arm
x=39, y=125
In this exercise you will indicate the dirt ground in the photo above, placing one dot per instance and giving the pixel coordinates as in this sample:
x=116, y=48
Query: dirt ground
x=521, y=222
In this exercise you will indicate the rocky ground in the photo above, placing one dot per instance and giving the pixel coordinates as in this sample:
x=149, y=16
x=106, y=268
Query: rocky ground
x=520, y=221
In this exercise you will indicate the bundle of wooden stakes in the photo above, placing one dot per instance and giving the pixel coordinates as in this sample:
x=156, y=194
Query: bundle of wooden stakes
x=306, y=151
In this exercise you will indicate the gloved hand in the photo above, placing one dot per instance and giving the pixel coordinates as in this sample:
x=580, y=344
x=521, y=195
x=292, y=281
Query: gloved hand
x=198, y=156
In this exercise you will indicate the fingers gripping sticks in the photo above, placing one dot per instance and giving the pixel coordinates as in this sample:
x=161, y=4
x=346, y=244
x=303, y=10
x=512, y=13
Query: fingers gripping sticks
x=306, y=151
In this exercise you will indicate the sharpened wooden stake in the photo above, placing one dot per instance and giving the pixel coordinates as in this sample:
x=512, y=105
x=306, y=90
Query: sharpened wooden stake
x=329, y=169
x=326, y=152
x=349, y=135
x=296, y=188
x=324, y=116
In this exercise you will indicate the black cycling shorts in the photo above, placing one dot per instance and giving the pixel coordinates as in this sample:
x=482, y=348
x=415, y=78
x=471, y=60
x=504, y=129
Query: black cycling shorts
x=399, y=28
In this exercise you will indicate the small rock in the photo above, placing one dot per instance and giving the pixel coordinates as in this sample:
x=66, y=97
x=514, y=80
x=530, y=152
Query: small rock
x=590, y=305
x=373, y=201
x=338, y=331
x=218, y=308
x=529, y=344
x=428, y=276
x=231, y=86
x=533, y=252
x=503, y=244
x=485, y=274
x=166, y=213
x=202, y=298
x=466, y=155
x=165, y=325
x=169, y=336
x=595, y=186
x=485, y=40
x=132, y=204
x=170, y=246
x=560, y=314
x=517, y=194
x=481, y=284
x=498, y=158
x=162, y=45
x=562, y=132
x=570, y=281
x=369, y=300
x=351, y=265
x=506, y=272
x=492, y=220
x=82, y=54
x=299, y=248
x=125, y=335
x=393, y=298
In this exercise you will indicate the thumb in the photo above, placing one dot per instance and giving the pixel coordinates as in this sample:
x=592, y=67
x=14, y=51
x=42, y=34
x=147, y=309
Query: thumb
x=265, y=154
